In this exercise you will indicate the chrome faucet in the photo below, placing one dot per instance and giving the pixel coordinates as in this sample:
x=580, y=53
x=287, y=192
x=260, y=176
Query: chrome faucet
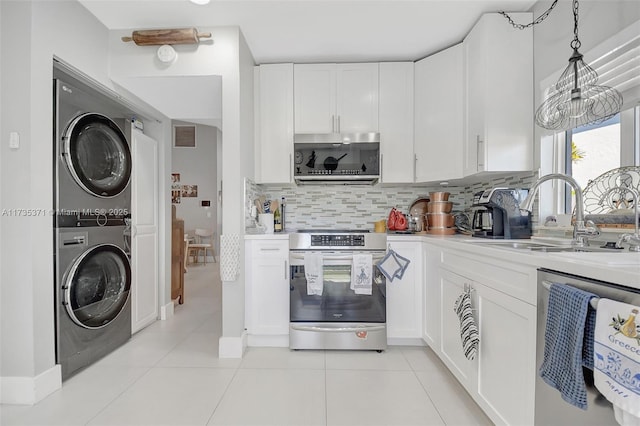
x=581, y=231
x=632, y=239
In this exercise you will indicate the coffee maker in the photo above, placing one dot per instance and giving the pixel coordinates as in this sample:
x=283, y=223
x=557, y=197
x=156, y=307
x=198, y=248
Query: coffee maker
x=497, y=214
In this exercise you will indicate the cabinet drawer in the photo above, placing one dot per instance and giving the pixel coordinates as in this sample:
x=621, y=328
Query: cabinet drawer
x=515, y=280
x=269, y=249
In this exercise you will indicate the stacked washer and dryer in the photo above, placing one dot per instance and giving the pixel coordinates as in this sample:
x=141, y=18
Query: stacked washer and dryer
x=92, y=200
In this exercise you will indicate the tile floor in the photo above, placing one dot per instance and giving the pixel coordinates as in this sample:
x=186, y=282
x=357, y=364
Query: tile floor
x=169, y=374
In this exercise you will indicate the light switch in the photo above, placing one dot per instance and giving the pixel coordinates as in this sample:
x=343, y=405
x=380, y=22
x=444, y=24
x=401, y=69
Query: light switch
x=14, y=140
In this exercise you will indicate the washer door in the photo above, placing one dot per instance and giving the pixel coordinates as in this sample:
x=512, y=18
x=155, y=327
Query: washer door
x=97, y=285
x=97, y=155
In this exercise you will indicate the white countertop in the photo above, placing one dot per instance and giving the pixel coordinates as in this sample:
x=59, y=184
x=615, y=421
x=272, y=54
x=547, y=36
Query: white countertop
x=618, y=268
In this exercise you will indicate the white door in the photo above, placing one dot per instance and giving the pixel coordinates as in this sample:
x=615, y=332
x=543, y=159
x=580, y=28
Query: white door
x=144, y=233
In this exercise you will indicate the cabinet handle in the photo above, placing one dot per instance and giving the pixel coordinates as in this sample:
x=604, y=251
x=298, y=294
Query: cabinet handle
x=338, y=124
x=480, y=153
x=286, y=267
x=269, y=249
x=415, y=166
x=290, y=168
x=333, y=123
x=381, y=167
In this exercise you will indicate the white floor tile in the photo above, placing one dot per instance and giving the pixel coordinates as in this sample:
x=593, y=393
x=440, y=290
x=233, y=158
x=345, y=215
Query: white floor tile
x=81, y=397
x=282, y=358
x=143, y=350
x=197, y=350
x=273, y=397
x=378, y=398
x=422, y=358
x=168, y=396
x=391, y=359
x=454, y=404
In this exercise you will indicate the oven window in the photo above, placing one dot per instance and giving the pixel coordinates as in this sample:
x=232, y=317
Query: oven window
x=338, y=303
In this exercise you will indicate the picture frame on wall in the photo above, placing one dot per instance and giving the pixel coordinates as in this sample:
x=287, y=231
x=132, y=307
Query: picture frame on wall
x=175, y=181
x=175, y=196
x=184, y=136
x=189, y=191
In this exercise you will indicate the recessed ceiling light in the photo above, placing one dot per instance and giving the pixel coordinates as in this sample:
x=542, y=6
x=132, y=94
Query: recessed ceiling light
x=200, y=2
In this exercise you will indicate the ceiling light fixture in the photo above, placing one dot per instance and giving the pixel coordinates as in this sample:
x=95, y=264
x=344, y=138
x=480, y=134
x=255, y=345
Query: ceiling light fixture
x=576, y=99
x=200, y=2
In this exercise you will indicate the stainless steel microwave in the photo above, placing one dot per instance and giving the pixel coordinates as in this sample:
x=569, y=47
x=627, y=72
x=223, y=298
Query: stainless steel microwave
x=337, y=158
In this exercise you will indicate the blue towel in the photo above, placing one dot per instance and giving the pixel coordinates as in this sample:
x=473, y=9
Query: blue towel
x=563, y=343
x=589, y=338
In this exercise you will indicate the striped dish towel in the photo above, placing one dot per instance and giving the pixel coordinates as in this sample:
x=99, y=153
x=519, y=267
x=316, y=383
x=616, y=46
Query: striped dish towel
x=468, y=328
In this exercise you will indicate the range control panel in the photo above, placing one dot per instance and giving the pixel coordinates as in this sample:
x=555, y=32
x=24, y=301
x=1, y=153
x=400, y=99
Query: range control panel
x=337, y=240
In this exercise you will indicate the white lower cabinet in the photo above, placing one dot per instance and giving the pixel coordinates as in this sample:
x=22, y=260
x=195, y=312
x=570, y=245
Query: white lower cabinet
x=267, y=292
x=404, y=296
x=432, y=305
x=501, y=378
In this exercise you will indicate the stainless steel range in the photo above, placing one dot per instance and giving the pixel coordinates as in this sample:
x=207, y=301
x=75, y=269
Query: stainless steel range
x=332, y=315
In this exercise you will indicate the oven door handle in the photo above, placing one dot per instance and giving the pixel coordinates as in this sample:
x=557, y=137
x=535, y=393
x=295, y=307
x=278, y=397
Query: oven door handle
x=346, y=257
x=338, y=329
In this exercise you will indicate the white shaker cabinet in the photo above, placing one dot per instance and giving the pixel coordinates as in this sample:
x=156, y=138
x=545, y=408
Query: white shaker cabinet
x=336, y=98
x=498, y=82
x=505, y=361
x=431, y=293
x=274, y=123
x=404, y=296
x=267, y=292
x=439, y=118
x=396, y=122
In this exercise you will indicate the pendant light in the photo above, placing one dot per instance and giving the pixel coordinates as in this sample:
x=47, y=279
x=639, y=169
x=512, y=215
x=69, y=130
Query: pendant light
x=576, y=99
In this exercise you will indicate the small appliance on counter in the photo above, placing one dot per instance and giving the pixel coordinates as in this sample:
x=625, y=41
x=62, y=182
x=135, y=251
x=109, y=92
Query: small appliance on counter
x=497, y=214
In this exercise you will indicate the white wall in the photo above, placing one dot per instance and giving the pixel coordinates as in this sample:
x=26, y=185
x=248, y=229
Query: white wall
x=198, y=166
x=229, y=57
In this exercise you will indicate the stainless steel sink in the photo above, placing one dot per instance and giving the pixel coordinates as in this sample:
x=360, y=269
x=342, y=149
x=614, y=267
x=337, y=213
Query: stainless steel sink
x=544, y=248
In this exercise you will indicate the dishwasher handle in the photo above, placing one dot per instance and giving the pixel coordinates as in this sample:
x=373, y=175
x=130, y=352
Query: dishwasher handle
x=593, y=302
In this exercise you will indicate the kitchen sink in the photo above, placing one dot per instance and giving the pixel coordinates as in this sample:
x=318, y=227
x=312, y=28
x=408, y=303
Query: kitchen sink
x=546, y=248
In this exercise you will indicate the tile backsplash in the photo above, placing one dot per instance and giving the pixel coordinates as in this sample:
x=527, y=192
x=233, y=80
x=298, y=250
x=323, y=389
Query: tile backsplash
x=358, y=207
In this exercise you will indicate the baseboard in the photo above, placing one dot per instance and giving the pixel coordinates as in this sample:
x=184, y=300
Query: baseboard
x=275, y=341
x=232, y=347
x=30, y=390
x=166, y=311
x=405, y=341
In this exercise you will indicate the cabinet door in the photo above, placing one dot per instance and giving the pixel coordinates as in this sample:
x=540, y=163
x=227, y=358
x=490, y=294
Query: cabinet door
x=315, y=98
x=268, y=288
x=452, y=286
x=506, y=359
x=357, y=98
x=432, y=298
x=498, y=67
x=439, y=115
x=274, y=130
x=396, y=122
x=404, y=296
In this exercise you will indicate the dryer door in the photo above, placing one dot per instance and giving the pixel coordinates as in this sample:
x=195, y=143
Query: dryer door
x=97, y=285
x=97, y=155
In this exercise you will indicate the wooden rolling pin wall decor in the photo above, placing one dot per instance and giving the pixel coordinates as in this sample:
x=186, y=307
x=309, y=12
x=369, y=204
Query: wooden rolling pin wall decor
x=168, y=36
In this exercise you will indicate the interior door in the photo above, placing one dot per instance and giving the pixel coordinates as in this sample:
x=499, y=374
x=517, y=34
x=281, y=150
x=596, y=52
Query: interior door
x=144, y=241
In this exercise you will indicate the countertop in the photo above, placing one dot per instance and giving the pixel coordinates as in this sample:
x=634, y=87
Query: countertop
x=617, y=268
x=594, y=265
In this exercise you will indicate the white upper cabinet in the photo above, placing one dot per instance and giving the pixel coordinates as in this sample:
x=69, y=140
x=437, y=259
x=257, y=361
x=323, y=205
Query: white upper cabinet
x=336, y=98
x=274, y=123
x=439, y=119
x=498, y=80
x=396, y=122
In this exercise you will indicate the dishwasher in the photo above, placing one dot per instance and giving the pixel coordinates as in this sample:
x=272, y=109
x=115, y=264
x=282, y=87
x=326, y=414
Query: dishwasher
x=550, y=408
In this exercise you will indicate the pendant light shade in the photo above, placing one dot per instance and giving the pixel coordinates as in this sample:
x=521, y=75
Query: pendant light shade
x=576, y=99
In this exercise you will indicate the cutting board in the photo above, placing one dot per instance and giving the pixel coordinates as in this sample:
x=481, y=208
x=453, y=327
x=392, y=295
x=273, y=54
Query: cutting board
x=607, y=258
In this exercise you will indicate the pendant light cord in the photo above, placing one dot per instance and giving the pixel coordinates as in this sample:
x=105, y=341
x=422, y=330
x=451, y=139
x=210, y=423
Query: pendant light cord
x=575, y=43
x=539, y=19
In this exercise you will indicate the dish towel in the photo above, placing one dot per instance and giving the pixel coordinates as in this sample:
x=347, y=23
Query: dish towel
x=361, y=272
x=468, y=328
x=392, y=265
x=313, y=273
x=563, y=343
x=616, y=371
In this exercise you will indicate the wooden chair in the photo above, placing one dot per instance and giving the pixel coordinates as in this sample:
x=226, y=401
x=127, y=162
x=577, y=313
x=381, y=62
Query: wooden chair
x=203, y=242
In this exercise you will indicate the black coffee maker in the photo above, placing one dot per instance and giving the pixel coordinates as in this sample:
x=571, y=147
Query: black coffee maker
x=497, y=214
